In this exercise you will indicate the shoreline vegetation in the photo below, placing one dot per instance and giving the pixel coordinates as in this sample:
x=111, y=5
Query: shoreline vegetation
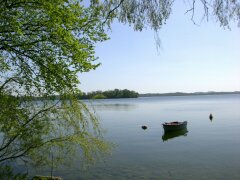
x=125, y=93
x=109, y=94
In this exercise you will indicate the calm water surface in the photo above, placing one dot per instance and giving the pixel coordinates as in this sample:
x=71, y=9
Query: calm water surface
x=209, y=150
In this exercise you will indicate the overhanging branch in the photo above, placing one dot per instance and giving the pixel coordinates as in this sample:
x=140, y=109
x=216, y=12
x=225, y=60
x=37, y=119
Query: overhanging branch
x=111, y=11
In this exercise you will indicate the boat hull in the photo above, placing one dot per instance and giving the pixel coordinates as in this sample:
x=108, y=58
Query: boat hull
x=175, y=126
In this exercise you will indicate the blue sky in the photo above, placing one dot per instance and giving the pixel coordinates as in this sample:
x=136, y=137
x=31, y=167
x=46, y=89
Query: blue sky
x=192, y=58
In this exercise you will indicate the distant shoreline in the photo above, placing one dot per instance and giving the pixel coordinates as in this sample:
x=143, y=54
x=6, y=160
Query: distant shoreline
x=132, y=94
x=186, y=94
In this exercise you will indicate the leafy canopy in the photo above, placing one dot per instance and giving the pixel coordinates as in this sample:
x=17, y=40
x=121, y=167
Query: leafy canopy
x=45, y=43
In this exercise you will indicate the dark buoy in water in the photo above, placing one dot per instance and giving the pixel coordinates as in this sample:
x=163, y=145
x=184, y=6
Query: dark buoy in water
x=144, y=127
x=210, y=116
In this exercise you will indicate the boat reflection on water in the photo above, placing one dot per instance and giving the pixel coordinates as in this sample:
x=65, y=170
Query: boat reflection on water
x=173, y=134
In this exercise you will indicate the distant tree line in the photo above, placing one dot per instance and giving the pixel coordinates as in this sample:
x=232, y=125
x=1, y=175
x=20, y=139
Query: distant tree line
x=110, y=94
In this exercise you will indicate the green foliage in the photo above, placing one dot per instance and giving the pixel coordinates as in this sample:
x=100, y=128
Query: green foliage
x=7, y=173
x=43, y=45
x=116, y=93
x=40, y=129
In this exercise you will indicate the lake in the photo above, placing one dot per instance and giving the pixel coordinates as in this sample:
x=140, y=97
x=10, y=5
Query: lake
x=210, y=149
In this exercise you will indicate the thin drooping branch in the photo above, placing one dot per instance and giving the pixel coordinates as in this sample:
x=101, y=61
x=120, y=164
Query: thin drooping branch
x=26, y=123
x=206, y=9
x=19, y=154
x=192, y=9
x=111, y=11
x=11, y=79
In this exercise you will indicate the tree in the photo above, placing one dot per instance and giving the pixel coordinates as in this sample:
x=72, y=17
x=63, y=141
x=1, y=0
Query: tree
x=44, y=44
